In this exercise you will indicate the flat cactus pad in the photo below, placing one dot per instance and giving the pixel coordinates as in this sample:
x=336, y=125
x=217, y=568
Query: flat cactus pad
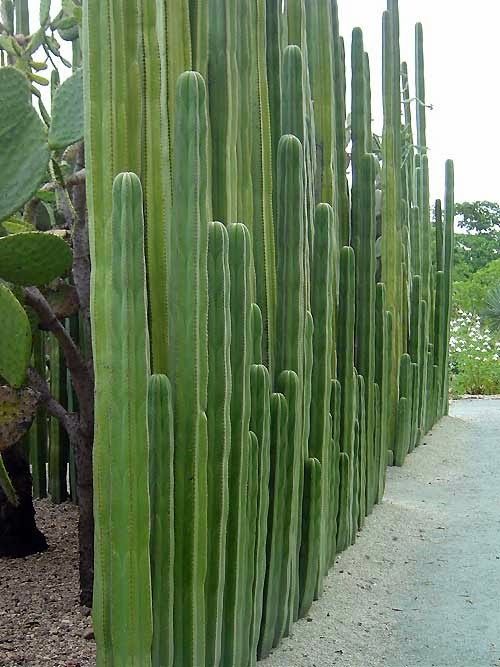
x=33, y=258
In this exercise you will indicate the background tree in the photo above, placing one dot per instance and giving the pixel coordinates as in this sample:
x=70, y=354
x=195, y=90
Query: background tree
x=480, y=244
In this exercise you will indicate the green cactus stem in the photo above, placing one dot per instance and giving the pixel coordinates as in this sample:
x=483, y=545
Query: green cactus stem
x=322, y=311
x=188, y=366
x=124, y=569
x=219, y=432
x=260, y=424
x=346, y=377
x=311, y=530
x=235, y=644
x=161, y=494
x=275, y=539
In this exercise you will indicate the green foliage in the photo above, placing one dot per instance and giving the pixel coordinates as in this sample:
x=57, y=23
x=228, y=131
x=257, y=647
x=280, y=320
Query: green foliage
x=66, y=127
x=473, y=252
x=470, y=295
x=481, y=242
x=15, y=334
x=25, y=154
x=481, y=217
x=33, y=258
x=491, y=312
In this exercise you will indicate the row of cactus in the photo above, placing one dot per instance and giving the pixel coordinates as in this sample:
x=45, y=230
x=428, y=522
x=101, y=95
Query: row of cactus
x=266, y=337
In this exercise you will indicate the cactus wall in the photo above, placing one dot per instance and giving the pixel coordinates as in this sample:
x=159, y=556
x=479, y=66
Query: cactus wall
x=270, y=330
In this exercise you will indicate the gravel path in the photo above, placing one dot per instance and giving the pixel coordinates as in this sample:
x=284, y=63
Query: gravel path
x=422, y=584
x=421, y=587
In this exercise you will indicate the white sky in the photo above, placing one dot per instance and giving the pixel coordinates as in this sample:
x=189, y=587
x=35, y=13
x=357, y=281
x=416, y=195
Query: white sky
x=462, y=49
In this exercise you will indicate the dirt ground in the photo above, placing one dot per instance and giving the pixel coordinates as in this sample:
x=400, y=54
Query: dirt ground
x=41, y=622
x=421, y=587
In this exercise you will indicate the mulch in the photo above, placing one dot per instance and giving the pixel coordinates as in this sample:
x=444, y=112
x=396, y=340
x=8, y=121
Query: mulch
x=41, y=621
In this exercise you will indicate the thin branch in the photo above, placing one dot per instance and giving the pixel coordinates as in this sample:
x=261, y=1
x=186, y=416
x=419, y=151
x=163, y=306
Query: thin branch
x=74, y=360
x=54, y=408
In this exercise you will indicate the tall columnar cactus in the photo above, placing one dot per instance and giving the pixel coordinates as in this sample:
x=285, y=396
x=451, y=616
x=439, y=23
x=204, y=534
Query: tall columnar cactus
x=291, y=340
x=260, y=424
x=403, y=430
x=290, y=386
x=391, y=181
x=290, y=244
x=38, y=431
x=188, y=365
x=320, y=60
x=122, y=584
x=275, y=539
x=448, y=268
x=311, y=531
x=58, y=441
x=322, y=311
x=219, y=431
x=339, y=115
x=235, y=645
x=223, y=107
x=161, y=493
x=363, y=233
x=335, y=414
x=346, y=375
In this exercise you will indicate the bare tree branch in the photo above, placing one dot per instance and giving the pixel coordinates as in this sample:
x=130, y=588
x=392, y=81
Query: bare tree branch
x=80, y=374
x=68, y=420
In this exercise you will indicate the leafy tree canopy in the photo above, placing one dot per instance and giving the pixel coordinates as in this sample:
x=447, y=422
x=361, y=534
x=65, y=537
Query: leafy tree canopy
x=480, y=242
x=479, y=217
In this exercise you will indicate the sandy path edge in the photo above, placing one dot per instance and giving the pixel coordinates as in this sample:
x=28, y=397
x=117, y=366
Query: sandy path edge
x=422, y=584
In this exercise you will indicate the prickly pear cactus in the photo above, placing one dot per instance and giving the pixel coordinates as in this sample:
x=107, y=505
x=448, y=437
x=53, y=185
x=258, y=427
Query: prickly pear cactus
x=33, y=258
x=25, y=153
x=15, y=334
x=66, y=127
x=17, y=409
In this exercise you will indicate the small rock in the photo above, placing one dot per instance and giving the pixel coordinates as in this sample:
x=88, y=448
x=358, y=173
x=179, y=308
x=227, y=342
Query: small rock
x=88, y=634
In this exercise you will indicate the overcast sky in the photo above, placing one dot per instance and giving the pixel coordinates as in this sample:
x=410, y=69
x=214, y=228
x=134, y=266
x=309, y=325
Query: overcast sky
x=462, y=48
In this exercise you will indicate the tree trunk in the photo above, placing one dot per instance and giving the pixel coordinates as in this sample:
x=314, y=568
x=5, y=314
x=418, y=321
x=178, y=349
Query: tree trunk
x=19, y=535
x=83, y=451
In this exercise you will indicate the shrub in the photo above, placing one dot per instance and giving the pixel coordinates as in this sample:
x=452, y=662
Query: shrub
x=474, y=357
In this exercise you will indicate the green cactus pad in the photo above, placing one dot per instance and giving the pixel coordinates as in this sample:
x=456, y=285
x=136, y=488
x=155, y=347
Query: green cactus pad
x=15, y=334
x=66, y=127
x=25, y=153
x=33, y=258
